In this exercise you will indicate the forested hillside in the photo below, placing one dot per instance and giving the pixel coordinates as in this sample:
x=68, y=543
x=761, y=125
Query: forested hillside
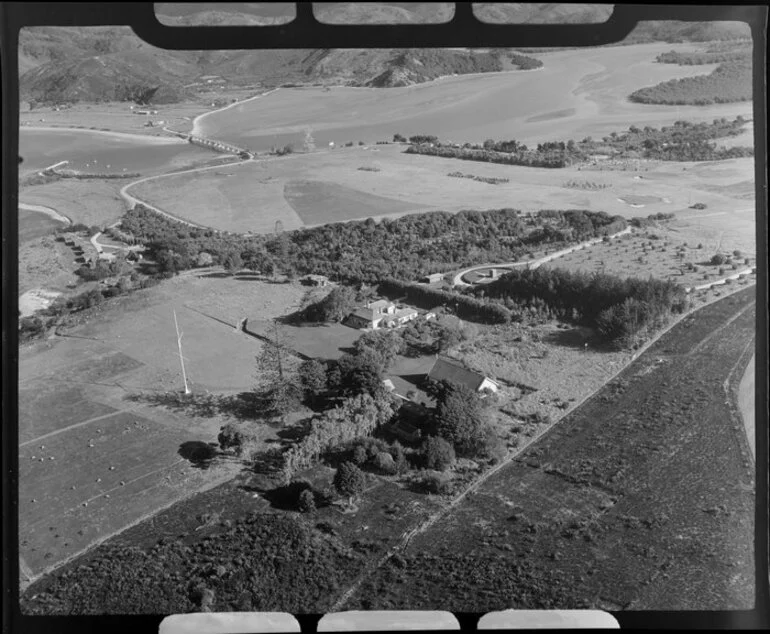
x=729, y=82
x=69, y=64
x=66, y=65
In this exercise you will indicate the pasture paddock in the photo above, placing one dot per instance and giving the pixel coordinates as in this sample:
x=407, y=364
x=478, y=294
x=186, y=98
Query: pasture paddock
x=252, y=196
x=98, y=384
x=658, y=252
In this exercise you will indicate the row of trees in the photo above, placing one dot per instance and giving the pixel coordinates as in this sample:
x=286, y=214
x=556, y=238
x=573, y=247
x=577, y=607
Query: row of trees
x=650, y=221
x=729, y=82
x=683, y=141
x=468, y=152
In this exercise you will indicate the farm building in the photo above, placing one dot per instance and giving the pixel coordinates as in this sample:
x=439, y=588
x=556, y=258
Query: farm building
x=453, y=372
x=380, y=314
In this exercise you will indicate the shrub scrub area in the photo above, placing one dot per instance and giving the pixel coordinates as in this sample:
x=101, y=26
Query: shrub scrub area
x=260, y=563
x=683, y=141
x=730, y=82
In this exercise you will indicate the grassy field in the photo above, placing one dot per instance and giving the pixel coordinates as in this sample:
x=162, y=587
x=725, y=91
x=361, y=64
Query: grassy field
x=252, y=196
x=318, y=202
x=45, y=263
x=118, y=117
x=109, y=381
x=584, y=517
x=92, y=202
x=663, y=253
x=589, y=517
x=321, y=341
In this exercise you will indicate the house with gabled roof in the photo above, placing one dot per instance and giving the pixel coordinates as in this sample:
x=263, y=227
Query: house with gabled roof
x=452, y=371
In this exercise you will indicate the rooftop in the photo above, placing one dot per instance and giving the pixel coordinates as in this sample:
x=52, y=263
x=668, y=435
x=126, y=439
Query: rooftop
x=452, y=371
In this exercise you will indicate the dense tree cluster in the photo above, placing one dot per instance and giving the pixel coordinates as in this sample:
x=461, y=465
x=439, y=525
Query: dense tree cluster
x=178, y=242
x=262, y=562
x=349, y=480
x=438, y=453
x=404, y=248
x=682, y=141
x=376, y=453
x=731, y=81
x=334, y=307
x=595, y=299
x=649, y=221
x=547, y=157
x=412, y=246
x=354, y=418
x=707, y=57
x=524, y=62
x=384, y=345
x=462, y=420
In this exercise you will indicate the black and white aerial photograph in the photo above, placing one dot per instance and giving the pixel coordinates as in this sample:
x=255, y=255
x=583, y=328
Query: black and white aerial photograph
x=312, y=330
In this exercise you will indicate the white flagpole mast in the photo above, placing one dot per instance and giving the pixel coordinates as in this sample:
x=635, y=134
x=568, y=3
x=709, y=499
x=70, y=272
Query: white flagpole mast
x=181, y=358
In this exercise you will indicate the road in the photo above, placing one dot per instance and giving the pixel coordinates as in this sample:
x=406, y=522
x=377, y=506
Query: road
x=533, y=264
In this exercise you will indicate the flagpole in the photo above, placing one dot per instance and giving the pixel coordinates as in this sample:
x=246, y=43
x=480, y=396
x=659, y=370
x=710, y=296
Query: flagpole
x=181, y=358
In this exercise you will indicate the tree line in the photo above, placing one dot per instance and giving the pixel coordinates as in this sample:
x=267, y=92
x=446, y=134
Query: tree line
x=684, y=141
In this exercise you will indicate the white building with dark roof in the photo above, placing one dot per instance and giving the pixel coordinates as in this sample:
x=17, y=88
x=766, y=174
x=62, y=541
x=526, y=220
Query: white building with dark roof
x=381, y=314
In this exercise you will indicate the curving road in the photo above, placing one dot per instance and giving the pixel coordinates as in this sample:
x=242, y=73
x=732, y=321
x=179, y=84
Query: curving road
x=457, y=280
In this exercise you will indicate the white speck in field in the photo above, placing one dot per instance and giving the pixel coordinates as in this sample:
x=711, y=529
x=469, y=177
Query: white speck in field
x=98, y=479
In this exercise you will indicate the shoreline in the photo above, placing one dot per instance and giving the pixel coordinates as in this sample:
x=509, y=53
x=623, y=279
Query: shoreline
x=151, y=140
x=196, y=131
x=48, y=211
